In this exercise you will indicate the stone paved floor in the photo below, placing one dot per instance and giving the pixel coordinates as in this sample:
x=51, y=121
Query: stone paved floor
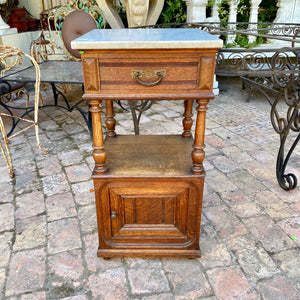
x=48, y=238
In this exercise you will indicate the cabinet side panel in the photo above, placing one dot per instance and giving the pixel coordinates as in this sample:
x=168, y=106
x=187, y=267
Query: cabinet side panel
x=207, y=70
x=91, y=75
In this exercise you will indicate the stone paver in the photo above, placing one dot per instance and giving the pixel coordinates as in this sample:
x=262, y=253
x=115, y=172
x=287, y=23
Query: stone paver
x=26, y=272
x=187, y=279
x=60, y=206
x=55, y=184
x=250, y=227
x=230, y=283
x=66, y=265
x=63, y=235
x=83, y=192
x=7, y=221
x=253, y=259
x=5, y=245
x=291, y=226
x=269, y=234
x=30, y=233
x=36, y=296
x=289, y=262
x=70, y=157
x=146, y=281
x=2, y=281
x=87, y=215
x=90, y=252
x=6, y=192
x=49, y=166
x=225, y=222
x=109, y=284
x=214, y=252
x=29, y=205
x=77, y=173
x=278, y=288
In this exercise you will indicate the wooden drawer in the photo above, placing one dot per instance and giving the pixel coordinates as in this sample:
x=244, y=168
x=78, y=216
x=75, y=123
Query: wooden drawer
x=151, y=72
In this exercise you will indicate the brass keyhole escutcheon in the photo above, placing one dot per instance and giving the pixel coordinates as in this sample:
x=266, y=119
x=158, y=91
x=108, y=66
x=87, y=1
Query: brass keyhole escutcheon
x=113, y=214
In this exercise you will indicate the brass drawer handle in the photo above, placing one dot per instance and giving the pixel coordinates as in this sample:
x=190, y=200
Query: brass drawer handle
x=137, y=74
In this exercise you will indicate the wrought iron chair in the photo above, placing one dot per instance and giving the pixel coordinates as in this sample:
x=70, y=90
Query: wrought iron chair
x=62, y=25
x=9, y=58
x=53, y=40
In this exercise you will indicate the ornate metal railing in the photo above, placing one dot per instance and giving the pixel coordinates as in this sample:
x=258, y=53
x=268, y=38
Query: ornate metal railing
x=278, y=31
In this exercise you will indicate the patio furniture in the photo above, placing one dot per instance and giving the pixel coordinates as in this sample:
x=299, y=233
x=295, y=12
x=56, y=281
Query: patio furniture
x=61, y=25
x=12, y=90
x=58, y=67
x=281, y=84
x=53, y=42
x=70, y=72
x=59, y=64
x=10, y=57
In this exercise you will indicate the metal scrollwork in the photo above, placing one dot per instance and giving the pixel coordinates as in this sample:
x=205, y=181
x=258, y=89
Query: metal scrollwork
x=285, y=62
x=256, y=61
x=285, y=67
x=279, y=82
x=241, y=62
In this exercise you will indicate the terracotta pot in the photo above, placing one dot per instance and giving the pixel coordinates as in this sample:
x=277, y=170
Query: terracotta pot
x=16, y=24
x=13, y=18
x=20, y=12
x=32, y=24
x=25, y=25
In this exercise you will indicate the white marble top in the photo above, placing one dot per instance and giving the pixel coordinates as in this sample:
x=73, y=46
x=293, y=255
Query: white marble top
x=151, y=38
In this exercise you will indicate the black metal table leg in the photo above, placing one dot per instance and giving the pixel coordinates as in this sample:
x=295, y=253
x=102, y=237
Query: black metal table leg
x=57, y=93
x=282, y=124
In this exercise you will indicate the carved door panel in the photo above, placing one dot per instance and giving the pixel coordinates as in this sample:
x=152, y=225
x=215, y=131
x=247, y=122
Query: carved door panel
x=157, y=212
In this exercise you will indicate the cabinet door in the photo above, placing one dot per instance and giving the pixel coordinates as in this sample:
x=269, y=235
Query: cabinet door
x=152, y=211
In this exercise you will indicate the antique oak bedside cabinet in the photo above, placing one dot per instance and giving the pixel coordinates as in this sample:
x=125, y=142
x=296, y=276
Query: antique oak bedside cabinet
x=148, y=189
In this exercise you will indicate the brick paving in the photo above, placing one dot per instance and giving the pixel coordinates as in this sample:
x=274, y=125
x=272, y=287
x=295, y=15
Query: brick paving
x=48, y=233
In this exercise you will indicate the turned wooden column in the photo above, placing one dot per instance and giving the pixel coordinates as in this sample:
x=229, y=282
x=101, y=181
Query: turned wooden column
x=187, y=122
x=198, y=152
x=110, y=121
x=99, y=154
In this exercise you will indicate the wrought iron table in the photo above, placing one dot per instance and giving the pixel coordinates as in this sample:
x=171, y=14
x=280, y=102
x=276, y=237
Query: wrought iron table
x=53, y=72
x=280, y=83
x=62, y=72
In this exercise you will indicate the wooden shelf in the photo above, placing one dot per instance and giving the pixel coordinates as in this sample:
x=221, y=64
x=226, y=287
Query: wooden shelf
x=150, y=155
